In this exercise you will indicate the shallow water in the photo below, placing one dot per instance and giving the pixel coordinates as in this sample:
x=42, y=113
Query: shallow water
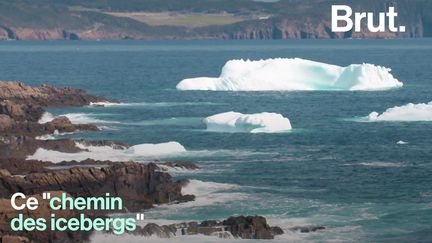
x=330, y=170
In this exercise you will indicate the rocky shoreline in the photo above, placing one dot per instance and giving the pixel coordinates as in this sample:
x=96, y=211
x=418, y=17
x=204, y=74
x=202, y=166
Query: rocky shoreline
x=141, y=186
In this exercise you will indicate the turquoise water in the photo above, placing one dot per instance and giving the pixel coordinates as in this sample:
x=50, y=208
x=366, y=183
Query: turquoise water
x=330, y=170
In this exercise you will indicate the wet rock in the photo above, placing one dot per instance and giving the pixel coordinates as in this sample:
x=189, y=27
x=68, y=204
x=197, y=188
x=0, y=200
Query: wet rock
x=209, y=223
x=308, y=228
x=277, y=230
x=245, y=227
x=250, y=227
x=160, y=231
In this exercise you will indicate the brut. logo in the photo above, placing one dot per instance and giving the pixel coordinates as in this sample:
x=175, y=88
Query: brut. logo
x=347, y=24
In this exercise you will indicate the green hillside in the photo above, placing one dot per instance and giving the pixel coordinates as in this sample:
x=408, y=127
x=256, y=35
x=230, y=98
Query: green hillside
x=194, y=19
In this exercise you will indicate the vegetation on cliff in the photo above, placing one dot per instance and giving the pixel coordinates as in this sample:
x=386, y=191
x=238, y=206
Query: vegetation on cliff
x=196, y=19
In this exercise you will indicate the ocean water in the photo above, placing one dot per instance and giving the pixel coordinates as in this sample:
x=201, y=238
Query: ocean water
x=331, y=170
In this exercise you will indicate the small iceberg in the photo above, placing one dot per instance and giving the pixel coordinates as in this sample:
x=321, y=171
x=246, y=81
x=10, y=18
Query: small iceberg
x=409, y=112
x=401, y=142
x=254, y=123
x=291, y=74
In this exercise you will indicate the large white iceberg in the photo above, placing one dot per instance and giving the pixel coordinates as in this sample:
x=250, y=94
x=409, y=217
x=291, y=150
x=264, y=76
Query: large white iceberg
x=409, y=112
x=289, y=74
x=255, y=123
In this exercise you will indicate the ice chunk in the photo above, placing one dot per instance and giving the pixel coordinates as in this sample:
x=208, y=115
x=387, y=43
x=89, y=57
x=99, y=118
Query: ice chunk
x=409, y=112
x=255, y=123
x=288, y=74
x=149, y=149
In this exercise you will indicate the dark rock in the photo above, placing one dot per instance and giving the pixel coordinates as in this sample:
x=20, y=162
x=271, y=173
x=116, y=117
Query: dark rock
x=245, y=227
x=250, y=227
x=21, y=112
x=33, y=129
x=44, y=211
x=277, y=230
x=6, y=122
x=160, y=231
x=139, y=185
x=308, y=228
x=20, y=167
x=22, y=146
x=209, y=223
x=185, y=198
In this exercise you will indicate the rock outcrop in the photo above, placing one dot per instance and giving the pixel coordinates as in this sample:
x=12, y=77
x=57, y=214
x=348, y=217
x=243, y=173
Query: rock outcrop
x=139, y=185
x=308, y=228
x=45, y=96
x=21, y=107
x=19, y=147
x=10, y=127
x=244, y=227
x=7, y=213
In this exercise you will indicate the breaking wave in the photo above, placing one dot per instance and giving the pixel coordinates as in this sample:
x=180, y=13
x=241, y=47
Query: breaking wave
x=46, y=117
x=138, y=152
x=149, y=104
x=288, y=74
x=208, y=193
x=76, y=118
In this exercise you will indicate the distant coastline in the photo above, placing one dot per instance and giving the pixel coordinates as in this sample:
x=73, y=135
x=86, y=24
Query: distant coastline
x=195, y=20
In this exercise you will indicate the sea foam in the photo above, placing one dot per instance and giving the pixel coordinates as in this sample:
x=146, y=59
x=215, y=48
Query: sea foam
x=137, y=152
x=409, y=112
x=76, y=118
x=254, y=123
x=46, y=117
x=289, y=74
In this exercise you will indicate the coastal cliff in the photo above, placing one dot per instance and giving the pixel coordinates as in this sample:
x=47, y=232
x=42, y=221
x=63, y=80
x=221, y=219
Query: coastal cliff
x=150, y=20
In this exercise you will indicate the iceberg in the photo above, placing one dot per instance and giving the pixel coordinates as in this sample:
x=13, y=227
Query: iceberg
x=293, y=74
x=254, y=123
x=401, y=142
x=409, y=112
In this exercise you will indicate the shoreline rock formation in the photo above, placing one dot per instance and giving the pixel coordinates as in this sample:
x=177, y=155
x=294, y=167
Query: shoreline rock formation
x=22, y=106
x=141, y=186
x=243, y=227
